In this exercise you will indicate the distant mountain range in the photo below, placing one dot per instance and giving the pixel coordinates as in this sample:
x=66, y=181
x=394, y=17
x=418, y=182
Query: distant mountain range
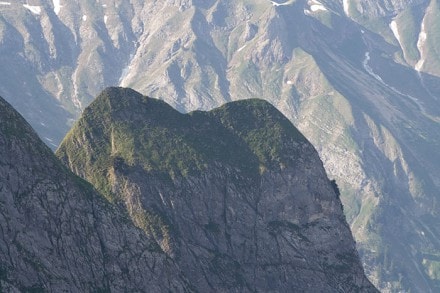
x=360, y=79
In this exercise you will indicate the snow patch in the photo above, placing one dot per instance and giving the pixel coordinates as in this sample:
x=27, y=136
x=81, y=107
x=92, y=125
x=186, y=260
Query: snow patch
x=420, y=46
x=56, y=6
x=283, y=3
x=241, y=48
x=346, y=4
x=395, y=30
x=104, y=5
x=84, y=17
x=316, y=6
x=33, y=9
x=105, y=19
x=5, y=3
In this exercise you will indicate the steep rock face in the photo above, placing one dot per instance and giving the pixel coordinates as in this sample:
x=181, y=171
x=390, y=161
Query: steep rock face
x=236, y=196
x=56, y=232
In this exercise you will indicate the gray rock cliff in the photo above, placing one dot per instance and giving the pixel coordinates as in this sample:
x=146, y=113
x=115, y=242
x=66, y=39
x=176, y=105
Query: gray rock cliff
x=57, y=234
x=237, y=197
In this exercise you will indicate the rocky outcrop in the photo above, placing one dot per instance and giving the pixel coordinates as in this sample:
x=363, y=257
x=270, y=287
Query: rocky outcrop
x=237, y=197
x=57, y=234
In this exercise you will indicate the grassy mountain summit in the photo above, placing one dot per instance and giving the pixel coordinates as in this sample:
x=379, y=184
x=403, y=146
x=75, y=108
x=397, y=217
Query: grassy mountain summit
x=236, y=196
x=122, y=124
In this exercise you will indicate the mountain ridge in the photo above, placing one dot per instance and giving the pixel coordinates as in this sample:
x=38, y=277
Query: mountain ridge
x=59, y=234
x=220, y=214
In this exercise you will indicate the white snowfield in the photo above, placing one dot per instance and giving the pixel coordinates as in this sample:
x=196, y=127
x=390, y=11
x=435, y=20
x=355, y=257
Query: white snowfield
x=283, y=3
x=33, y=9
x=57, y=6
x=395, y=30
x=316, y=6
x=346, y=5
x=420, y=46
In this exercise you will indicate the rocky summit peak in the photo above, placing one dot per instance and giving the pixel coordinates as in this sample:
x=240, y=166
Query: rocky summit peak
x=57, y=234
x=236, y=196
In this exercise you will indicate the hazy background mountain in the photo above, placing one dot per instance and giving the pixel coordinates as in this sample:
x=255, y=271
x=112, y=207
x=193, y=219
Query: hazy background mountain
x=359, y=78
